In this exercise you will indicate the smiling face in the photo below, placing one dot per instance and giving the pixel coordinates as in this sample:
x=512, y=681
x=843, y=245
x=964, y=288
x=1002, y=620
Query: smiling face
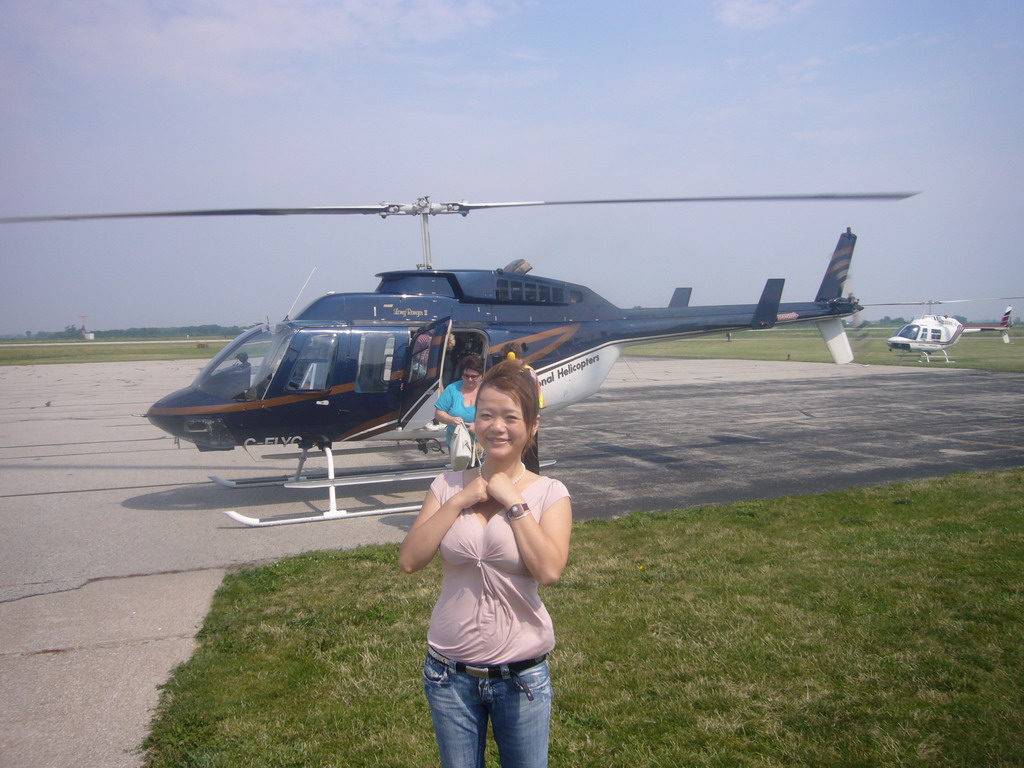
x=500, y=426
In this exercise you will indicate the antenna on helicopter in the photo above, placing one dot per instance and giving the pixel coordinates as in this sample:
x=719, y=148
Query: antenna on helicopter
x=288, y=314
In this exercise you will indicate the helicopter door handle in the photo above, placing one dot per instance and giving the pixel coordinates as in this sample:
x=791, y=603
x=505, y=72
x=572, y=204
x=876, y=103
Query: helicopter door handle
x=323, y=402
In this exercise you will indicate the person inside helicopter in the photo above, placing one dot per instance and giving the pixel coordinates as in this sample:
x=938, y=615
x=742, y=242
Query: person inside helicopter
x=460, y=345
x=457, y=404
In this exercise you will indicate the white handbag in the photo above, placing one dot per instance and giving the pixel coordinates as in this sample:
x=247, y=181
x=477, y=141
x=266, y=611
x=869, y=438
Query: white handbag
x=462, y=449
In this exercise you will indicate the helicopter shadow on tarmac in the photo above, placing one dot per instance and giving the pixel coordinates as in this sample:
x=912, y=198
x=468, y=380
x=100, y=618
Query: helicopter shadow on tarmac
x=207, y=496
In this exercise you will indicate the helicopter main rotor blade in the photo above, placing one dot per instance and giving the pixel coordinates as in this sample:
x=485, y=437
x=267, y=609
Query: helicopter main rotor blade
x=941, y=301
x=423, y=206
x=710, y=199
x=379, y=209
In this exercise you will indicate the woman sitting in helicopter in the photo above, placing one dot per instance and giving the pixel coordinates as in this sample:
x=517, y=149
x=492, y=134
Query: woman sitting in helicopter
x=457, y=404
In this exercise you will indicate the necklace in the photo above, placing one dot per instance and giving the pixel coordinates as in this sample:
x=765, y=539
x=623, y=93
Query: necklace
x=520, y=476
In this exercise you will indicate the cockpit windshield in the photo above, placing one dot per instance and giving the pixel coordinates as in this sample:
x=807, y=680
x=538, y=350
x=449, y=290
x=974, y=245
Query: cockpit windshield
x=909, y=332
x=244, y=369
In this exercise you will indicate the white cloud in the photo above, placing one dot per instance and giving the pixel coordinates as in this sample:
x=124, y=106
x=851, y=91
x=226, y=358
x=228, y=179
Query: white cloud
x=803, y=71
x=758, y=14
x=896, y=43
x=215, y=40
x=748, y=14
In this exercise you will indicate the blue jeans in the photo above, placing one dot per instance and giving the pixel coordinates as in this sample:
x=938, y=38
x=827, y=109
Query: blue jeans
x=461, y=704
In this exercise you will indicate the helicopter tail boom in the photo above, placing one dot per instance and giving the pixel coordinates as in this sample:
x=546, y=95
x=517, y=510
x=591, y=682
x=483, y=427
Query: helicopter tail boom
x=1005, y=323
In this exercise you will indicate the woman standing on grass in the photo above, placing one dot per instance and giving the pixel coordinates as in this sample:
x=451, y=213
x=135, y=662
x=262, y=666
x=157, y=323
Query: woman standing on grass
x=501, y=531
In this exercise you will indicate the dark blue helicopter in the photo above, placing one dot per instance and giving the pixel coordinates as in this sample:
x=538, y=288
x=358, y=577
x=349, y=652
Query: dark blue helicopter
x=357, y=366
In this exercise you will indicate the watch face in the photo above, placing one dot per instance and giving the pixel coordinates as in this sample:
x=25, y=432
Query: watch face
x=517, y=509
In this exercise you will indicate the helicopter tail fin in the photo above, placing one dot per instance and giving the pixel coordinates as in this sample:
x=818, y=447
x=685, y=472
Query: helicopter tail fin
x=1003, y=327
x=767, y=311
x=681, y=298
x=834, y=334
x=834, y=282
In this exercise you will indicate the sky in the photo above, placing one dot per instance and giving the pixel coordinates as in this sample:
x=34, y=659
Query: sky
x=150, y=105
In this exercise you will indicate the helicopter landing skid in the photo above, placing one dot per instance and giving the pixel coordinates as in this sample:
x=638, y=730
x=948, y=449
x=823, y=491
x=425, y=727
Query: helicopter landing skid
x=428, y=471
x=331, y=482
x=298, y=476
x=330, y=514
x=264, y=482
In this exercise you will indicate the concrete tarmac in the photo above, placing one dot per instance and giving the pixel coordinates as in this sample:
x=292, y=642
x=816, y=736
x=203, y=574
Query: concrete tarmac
x=112, y=541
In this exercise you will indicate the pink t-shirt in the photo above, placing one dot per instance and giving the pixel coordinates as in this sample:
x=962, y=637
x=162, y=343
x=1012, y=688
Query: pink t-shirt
x=490, y=611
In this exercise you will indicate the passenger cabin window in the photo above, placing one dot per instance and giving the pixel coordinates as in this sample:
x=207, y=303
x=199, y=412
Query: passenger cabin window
x=420, y=358
x=528, y=291
x=312, y=369
x=416, y=285
x=376, y=362
x=936, y=334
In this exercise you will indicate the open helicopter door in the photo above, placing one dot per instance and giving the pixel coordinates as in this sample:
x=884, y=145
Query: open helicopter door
x=424, y=362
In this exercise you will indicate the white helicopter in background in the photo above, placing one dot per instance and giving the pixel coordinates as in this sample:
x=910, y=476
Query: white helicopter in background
x=934, y=334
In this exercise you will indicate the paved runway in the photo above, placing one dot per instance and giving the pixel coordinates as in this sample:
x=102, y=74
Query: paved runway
x=112, y=543
x=720, y=438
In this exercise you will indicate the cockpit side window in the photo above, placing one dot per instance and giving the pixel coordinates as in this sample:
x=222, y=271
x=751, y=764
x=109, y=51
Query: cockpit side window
x=236, y=371
x=909, y=332
x=313, y=367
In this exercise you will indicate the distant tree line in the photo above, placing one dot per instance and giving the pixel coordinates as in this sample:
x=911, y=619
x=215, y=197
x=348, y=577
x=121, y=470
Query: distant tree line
x=180, y=332
x=172, y=333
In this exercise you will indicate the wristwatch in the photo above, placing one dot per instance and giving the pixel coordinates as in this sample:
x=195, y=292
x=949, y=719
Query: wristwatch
x=517, y=511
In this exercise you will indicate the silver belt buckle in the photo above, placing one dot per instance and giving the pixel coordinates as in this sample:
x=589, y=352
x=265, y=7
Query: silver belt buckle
x=477, y=671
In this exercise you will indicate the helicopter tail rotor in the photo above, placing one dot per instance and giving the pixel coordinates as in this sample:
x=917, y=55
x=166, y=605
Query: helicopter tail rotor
x=857, y=330
x=834, y=285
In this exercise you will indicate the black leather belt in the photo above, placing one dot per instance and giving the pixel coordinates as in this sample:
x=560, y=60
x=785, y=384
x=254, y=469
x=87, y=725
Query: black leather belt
x=476, y=670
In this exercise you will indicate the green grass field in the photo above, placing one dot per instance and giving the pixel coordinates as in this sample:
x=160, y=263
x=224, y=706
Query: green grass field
x=873, y=627
x=804, y=344
x=93, y=352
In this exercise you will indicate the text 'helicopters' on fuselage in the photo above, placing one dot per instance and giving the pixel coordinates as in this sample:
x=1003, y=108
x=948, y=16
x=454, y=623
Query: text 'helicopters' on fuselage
x=353, y=366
